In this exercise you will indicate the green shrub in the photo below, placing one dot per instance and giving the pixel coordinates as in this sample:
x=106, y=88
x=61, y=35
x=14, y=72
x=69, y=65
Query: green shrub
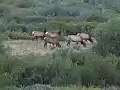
x=60, y=69
x=107, y=35
x=18, y=35
x=65, y=27
x=63, y=18
x=16, y=27
x=54, y=69
x=25, y=3
x=4, y=11
x=28, y=19
x=2, y=27
x=87, y=27
x=5, y=67
x=104, y=71
x=87, y=76
x=34, y=19
x=6, y=80
x=78, y=57
x=97, y=18
x=1, y=1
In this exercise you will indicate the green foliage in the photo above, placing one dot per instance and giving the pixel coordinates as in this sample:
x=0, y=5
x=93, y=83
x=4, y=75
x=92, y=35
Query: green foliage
x=60, y=69
x=108, y=37
x=2, y=28
x=97, y=18
x=34, y=19
x=4, y=11
x=102, y=71
x=28, y=19
x=18, y=35
x=6, y=79
x=25, y=3
x=16, y=27
x=87, y=76
x=87, y=27
x=78, y=57
x=70, y=26
x=5, y=67
x=1, y=1
x=57, y=72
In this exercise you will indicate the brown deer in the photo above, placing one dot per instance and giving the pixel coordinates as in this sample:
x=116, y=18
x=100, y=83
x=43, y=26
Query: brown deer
x=37, y=34
x=75, y=38
x=85, y=37
x=51, y=40
x=53, y=34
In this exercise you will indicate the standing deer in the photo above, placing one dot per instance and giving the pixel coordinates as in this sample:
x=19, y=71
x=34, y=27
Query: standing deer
x=51, y=40
x=75, y=38
x=53, y=34
x=37, y=35
x=85, y=37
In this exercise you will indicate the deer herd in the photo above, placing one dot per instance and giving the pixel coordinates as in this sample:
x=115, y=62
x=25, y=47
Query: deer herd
x=53, y=38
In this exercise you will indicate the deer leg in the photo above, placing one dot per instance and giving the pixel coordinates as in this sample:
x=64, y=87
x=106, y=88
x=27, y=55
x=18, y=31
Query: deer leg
x=58, y=44
x=83, y=43
x=90, y=39
x=77, y=43
x=36, y=37
x=42, y=37
x=33, y=38
x=53, y=45
x=68, y=43
x=45, y=45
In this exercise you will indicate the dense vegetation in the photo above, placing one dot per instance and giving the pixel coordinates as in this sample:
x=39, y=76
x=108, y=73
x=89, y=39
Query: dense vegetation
x=99, y=66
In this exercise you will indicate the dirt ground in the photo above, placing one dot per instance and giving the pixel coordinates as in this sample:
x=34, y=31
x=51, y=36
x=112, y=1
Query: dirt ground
x=27, y=47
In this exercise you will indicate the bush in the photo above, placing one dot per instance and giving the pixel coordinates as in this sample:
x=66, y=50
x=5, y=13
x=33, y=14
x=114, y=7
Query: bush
x=107, y=35
x=103, y=72
x=25, y=3
x=56, y=11
x=87, y=76
x=62, y=69
x=34, y=19
x=63, y=26
x=5, y=67
x=27, y=19
x=51, y=70
x=66, y=19
x=4, y=11
x=16, y=27
x=18, y=35
x=2, y=27
x=1, y=1
x=87, y=27
x=97, y=18
x=78, y=57
x=71, y=26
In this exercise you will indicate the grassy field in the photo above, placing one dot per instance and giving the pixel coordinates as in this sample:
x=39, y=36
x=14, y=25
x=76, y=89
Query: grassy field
x=27, y=47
